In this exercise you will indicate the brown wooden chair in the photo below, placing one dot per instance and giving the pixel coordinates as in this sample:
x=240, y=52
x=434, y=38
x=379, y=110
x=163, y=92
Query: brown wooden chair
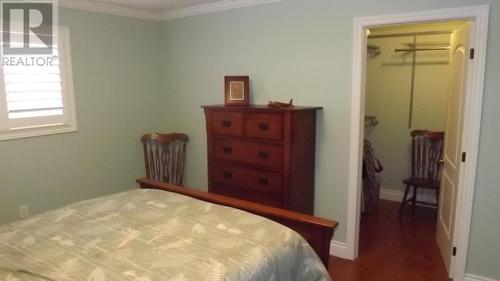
x=426, y=162
x=165, y=155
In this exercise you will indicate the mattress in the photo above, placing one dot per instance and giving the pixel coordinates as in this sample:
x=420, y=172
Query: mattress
x=153, y=235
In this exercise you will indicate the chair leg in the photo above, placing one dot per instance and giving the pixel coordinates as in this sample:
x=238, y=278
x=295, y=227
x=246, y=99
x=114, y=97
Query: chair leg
x=414, y=199
x=437, y=200
x=403, y=203
x=437, y=197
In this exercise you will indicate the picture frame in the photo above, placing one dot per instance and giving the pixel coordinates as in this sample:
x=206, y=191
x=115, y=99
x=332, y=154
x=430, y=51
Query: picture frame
x=236, y=90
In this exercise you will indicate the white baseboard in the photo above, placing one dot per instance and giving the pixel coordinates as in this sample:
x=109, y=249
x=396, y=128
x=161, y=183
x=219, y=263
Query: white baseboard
x=391, y=194
x=472, y=277
x=396, y=195
x=338, y=249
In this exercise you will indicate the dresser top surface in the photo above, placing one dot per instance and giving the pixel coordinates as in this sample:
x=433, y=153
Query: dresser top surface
x=260, y=108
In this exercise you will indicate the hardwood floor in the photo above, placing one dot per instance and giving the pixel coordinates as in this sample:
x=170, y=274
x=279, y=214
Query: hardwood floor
x=393, y=248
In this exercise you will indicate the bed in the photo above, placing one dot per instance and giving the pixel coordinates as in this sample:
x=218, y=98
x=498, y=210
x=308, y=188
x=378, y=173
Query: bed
x=165, y=232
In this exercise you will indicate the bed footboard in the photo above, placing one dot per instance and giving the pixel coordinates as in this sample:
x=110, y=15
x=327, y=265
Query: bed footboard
x=317, y=231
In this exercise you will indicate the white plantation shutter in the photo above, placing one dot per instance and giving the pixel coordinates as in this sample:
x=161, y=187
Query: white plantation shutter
x=33, y=91
x=36, y=95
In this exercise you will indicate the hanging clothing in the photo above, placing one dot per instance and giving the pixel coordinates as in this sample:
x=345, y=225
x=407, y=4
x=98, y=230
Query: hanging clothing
x=371, y=183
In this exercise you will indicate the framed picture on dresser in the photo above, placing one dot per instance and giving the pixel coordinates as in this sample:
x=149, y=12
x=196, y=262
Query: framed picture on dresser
x=236, y=90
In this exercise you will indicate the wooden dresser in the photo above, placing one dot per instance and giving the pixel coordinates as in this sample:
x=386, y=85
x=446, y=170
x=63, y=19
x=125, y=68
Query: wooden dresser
x=263, y=154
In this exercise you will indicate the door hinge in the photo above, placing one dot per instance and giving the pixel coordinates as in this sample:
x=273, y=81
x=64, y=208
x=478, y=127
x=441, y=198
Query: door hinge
x=471, y=53
x=464, y=156
x=454, y=251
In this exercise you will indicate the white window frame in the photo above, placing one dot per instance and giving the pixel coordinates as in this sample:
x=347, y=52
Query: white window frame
x=49, y=125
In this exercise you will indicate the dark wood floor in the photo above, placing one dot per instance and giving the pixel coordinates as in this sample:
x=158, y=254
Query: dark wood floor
x=393, y=248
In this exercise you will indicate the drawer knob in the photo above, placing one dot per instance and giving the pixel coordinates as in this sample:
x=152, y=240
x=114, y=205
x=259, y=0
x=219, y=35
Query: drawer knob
x=228, y=175
x=228, y=149
x=263, y=154
x=226, y=123
x=263, y=181
x=264, y=126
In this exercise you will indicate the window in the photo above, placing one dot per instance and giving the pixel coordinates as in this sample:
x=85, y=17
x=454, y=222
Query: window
x=36, y=93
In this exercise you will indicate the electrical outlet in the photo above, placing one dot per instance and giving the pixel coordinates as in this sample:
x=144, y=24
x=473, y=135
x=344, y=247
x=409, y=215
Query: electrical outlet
x=24, y=211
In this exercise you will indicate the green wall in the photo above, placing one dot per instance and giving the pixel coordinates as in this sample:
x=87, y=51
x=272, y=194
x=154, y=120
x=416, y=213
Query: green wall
x=129, y=80
x=116, y=81
x=303, y=50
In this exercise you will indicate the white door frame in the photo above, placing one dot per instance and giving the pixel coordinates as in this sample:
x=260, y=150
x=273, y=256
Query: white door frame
x=472, y=119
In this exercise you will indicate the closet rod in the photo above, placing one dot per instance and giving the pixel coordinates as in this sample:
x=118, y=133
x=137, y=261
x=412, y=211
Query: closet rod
x=412, y=91
x=404, y=34
x=423, y=49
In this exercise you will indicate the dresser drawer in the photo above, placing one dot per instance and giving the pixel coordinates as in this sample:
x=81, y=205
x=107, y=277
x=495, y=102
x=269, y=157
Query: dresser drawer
x=227, y=123
x=254, y=196
x=264, y=125
x=267, y=155
x=247, y=150
x=255, y=179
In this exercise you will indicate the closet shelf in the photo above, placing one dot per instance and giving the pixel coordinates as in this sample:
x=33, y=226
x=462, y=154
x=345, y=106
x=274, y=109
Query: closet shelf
x=371, y=121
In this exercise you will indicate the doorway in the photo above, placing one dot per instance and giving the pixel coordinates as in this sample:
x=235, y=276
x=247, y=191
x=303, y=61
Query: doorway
x=412, y=128
x=474, y=77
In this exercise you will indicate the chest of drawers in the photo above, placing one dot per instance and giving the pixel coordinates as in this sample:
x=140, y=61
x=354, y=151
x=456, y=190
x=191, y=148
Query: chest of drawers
x=263, y=154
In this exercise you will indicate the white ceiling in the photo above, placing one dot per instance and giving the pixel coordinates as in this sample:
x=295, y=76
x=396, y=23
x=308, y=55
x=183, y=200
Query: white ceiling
x=157, y=5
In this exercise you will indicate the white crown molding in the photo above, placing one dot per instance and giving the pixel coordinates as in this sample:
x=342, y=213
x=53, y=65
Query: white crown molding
x=91, y=6
x=218, y=6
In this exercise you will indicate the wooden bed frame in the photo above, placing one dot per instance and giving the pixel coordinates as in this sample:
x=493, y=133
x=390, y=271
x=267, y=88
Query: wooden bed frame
x=317, y=231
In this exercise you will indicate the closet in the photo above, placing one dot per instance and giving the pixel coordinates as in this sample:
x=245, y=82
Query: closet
x=415, y=81
x=406, y=90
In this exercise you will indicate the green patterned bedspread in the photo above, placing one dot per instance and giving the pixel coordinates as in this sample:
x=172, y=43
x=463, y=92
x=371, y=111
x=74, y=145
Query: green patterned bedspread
x=152, y=235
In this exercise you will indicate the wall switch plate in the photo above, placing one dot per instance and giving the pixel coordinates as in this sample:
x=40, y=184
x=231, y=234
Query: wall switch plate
x=24, y=211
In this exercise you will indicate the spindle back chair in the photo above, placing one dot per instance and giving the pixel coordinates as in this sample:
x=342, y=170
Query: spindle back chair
x=165, y=156
x=426, y=164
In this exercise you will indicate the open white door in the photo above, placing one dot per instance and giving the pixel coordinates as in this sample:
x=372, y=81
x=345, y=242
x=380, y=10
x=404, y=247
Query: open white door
x=459, y=56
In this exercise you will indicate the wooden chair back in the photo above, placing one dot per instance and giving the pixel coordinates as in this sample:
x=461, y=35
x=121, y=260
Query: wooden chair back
x=164, y=156
x=427, y=155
